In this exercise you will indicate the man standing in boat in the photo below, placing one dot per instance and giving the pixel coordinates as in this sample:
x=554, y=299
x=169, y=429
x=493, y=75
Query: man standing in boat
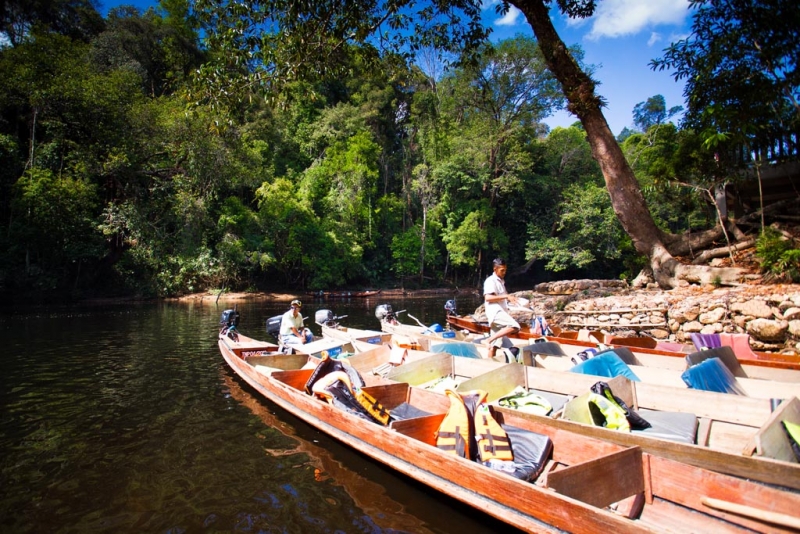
x=292, y=331
x=496, y=300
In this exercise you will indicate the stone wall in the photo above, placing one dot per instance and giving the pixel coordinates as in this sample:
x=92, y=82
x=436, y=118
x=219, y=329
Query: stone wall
x=769, y=313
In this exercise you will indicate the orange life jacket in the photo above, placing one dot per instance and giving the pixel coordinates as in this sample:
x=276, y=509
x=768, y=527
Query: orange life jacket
x=469, y=430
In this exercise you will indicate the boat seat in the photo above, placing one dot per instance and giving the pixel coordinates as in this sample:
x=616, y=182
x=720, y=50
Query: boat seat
x=712, y=375
x=407, y=411
x=556, y=400
x=608, y=365
x=531, y=451
x=725, y=354
x=672, y=426
x=549, y=348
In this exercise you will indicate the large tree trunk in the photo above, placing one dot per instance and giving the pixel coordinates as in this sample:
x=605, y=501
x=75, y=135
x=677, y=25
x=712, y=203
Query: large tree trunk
x=626, y=195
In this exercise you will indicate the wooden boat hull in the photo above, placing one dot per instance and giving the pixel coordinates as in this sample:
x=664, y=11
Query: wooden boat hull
x=593, y=473
x=727, y=436
x=758, y=365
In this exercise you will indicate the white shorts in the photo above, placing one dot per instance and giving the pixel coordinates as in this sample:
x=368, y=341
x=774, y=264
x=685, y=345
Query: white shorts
x=502, y=320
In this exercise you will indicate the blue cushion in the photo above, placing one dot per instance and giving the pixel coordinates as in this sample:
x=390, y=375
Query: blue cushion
x=712, y=375
x=606, y=364
x=466, y=350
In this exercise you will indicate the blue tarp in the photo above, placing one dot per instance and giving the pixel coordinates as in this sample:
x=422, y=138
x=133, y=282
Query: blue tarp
x=607, y=364
x=465, y=350
x=712, y=375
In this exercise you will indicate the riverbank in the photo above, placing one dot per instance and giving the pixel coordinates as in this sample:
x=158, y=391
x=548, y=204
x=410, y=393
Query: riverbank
x=770, y=314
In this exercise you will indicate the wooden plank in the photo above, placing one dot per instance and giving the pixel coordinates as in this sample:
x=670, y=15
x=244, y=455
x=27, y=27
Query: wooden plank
x=425, y=370
x=366, y=361
x=770, y=440
x=670, y=480
x=729, y=437
x=602, y=481
x=285, y=362
x=718, y=406
x=296, y=379
x=703, y=431
x=420, y=428
x=498, y=382
x=767, y=470
x=389, y=395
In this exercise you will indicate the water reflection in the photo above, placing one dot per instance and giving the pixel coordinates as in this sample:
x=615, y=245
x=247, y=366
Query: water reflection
x=367, y=495
x=125, y=419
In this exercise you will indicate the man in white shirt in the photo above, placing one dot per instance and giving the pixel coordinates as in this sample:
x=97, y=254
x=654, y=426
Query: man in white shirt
x=292, y=330
x=496, y=300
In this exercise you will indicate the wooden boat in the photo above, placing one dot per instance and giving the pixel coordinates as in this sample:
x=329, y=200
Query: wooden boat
x=741, y=438
x=756, y=364
x=361, y=339
x=654, y=369
x=584, y=485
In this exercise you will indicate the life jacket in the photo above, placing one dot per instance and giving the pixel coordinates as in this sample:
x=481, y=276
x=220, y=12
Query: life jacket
x=469, y=430
x=323, y=383
x=593, y=409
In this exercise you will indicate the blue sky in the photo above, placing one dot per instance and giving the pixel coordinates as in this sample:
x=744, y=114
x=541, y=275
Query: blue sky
x=620, y=40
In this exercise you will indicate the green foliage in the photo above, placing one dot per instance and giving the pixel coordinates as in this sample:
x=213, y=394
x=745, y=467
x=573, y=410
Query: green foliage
x=777, y=255
x=653, y=112
x=588, y=232
x=53, y=229
x=740, y=67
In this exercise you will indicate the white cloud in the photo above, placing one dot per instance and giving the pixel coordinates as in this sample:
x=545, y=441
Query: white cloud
x=654, y=38
x=615, y=18
x=510, y=18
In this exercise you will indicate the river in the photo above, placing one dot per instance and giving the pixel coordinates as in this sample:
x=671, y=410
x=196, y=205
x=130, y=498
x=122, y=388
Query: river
x=125, y=418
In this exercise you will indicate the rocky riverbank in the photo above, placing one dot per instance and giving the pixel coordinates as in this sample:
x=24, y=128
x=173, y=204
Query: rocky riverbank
x=769, y=313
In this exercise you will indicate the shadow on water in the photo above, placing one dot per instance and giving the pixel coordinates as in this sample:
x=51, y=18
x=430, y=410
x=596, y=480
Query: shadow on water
x=125, y=419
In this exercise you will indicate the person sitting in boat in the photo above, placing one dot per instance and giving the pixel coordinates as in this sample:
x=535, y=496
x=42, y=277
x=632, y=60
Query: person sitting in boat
x=292, y=330
x=496, y=300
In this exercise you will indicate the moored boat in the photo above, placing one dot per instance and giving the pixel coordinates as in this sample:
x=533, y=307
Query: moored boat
x=761, y=363
x=574, y=483
x=740, y=436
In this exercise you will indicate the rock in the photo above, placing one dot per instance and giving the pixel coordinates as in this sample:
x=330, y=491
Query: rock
x=790, y=314
x=713, y=316
x=692, y=326
x=692, y=314
x=794, y=328
x=753, y=308
x=715, y=328
x=658, y=333
x=768, y=329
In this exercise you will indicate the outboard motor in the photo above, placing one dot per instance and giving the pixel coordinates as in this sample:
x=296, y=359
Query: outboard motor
x=228, y=322
x=384, y=312
x=274, y=326
x=325, y=317
x=450, y=307
x=229, y=318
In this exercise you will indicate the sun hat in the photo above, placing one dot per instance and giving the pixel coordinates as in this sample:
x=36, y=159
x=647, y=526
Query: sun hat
x=297, y=304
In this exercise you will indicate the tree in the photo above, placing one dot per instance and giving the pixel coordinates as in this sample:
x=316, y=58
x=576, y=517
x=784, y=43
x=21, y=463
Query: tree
x=740, y=67
x=626, y=195
x=77, y=19
x=653, y=112
x=287, y=40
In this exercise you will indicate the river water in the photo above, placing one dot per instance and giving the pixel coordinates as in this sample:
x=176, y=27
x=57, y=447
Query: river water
x=125, y=418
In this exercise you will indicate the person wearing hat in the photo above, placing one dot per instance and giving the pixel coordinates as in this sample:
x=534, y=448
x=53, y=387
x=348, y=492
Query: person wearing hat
x=292, y=330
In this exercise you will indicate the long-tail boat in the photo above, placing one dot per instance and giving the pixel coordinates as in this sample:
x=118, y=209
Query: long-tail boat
x=569, y=482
